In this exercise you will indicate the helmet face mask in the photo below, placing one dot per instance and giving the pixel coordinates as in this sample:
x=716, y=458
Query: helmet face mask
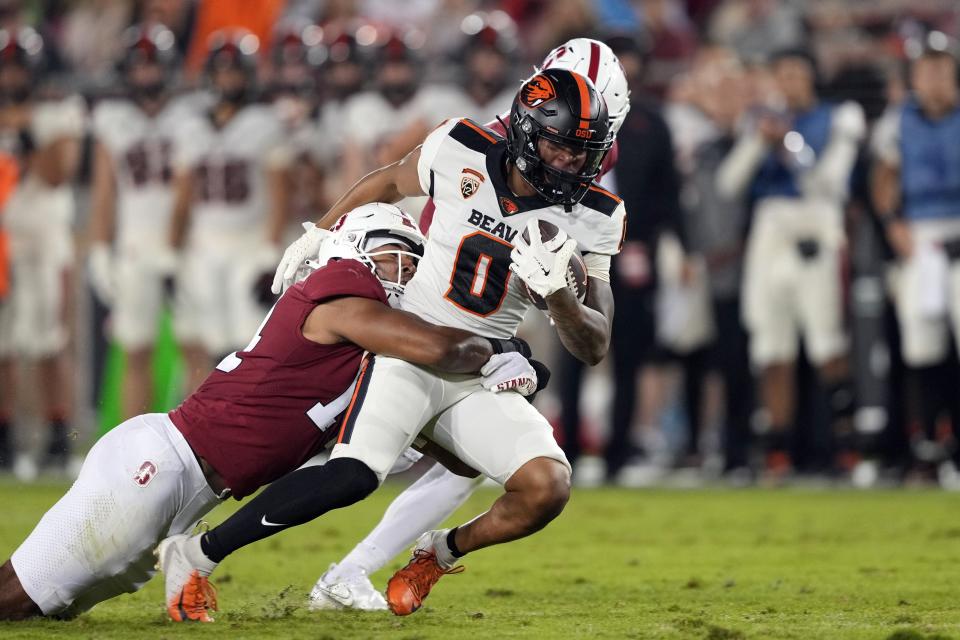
x=231, y=66
x=22, y=62
x=147, y=80
x=148, y=66
x=565, y=110
x=365, y=233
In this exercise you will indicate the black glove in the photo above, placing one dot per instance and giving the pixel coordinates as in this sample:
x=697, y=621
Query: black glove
x=510, y=345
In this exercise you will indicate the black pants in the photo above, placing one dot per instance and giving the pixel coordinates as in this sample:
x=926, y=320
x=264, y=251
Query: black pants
x=633, y=346
x=730, y=357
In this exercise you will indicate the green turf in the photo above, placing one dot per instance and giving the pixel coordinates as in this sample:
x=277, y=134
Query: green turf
x=617, y=564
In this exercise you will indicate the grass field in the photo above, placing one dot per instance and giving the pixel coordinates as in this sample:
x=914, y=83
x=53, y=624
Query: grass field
x=703, y=564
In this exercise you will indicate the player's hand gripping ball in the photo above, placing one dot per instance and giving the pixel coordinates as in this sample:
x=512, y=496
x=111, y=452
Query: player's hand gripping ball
x=546, y=260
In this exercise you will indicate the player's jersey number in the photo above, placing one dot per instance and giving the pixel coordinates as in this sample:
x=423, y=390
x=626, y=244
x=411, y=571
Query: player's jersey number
x=481, y=271
x=224, y=182
x=322, y=415
x=149, y=163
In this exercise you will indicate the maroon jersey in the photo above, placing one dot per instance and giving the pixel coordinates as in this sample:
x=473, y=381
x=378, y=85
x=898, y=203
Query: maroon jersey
x=426, y=216
x=267, y=409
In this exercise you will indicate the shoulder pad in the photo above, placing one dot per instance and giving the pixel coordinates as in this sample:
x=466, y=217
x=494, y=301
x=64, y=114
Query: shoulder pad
x=473, y=136
x=601, y=200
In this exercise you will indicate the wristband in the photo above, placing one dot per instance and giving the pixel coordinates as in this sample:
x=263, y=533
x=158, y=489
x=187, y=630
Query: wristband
x=511, y=345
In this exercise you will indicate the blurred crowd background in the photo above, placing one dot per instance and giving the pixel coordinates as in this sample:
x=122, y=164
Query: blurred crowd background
x=784, y=296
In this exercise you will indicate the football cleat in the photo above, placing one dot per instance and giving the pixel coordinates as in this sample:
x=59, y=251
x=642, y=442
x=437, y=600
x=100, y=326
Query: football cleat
x=189, y=595
x=353, y=592
x=410, y=586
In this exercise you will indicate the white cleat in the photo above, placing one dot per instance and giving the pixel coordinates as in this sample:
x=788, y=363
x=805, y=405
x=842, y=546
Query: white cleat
x=355, y=592
x=189, y=594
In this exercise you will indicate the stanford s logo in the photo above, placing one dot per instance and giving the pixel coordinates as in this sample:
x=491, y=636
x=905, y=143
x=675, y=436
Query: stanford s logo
x=145, y=473
x=470, y=182
x=537, y=92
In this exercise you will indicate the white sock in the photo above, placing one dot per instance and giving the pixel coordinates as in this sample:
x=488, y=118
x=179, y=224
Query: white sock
x=364, y=559
x=197, y=557
x=421, y=507
x=441, y=549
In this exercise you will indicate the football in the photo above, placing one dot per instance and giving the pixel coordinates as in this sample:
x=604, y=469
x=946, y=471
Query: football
x=576, y=269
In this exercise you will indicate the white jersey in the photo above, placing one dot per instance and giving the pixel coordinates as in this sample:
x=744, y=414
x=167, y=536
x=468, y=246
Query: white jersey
x=141, y=148
x=35, y=204
x=230, y=168
x=453, y=101
x=371, y=120
x=464, y=279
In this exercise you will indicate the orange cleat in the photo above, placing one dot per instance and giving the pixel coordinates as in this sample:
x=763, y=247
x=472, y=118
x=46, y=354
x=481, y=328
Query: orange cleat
x=194, y=601
x=409, y=586
x=188, y=592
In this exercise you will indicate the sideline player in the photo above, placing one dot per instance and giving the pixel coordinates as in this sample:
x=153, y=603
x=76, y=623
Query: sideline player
x=916, y=192
x=230, y=187
x=263, y=412
x=438, y=493
x=131, y=202
x=796, y=166
x=43, y=133
x=487, y=191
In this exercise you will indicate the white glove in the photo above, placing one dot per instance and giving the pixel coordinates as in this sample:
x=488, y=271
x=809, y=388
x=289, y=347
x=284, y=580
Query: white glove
x=305, y=247
x=165, y=260
x=849, y=122
x=543, y=269
x=509, y=372
x=100, y=269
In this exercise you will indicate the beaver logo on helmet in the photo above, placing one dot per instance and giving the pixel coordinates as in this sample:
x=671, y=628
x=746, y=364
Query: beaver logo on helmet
x=537, y=91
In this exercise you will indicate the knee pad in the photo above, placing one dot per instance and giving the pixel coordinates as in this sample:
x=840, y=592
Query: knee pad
x=354, y=474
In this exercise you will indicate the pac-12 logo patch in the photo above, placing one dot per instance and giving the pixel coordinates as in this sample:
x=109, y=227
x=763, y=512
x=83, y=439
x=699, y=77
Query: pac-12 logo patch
x=145, y=473
x=470, y=181
x=537, y=92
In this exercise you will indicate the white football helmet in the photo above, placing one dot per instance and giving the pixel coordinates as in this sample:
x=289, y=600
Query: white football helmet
x=360, y=232
x=595, y=60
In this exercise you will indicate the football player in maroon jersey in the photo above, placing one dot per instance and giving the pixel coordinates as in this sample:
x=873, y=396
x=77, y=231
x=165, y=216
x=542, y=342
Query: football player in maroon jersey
x=262, y=413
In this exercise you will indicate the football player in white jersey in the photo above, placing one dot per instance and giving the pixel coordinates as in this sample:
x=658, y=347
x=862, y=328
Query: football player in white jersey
x=43, y=135
x=295, y=58
x=438, y=493
x=487, y=58
x=230, y=165
x=383, y=124
x=342, y=77
x=488, y=191
x=131, y=202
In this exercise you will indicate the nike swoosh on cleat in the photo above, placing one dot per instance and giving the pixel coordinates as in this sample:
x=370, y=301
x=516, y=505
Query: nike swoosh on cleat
x=267, y=523
x=344, y=599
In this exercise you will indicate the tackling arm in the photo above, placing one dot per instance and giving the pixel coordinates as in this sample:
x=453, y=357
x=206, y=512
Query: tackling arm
x=380, y=329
